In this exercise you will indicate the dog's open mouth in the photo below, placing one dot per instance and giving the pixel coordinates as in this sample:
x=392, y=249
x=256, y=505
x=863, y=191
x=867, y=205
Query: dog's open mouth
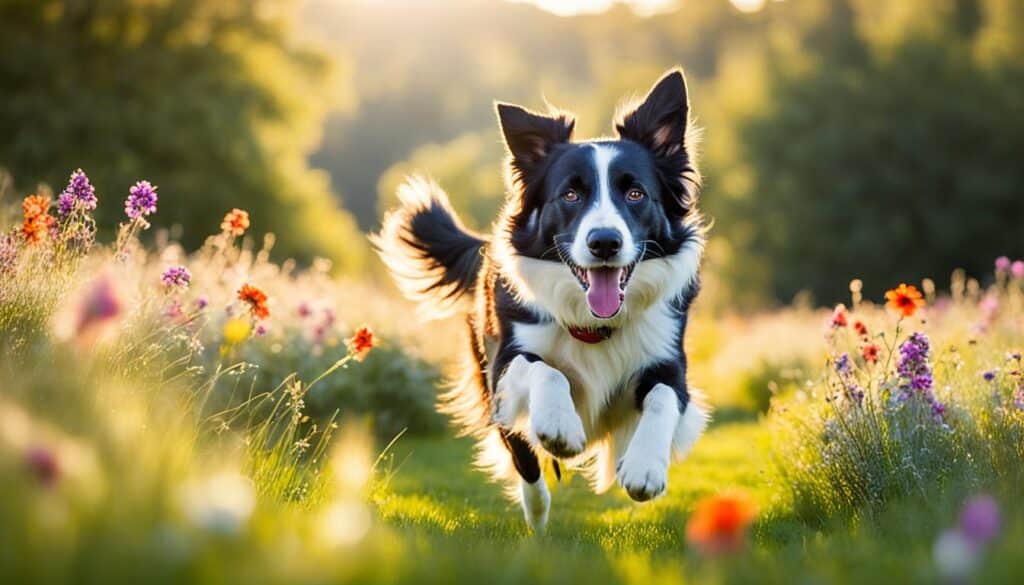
x=605, y=287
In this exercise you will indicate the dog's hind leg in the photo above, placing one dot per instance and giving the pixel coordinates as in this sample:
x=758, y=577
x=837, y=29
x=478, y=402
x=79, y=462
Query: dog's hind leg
x=534, y=495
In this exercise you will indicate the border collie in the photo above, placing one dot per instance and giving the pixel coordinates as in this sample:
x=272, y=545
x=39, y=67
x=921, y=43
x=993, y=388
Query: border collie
x=577, y=302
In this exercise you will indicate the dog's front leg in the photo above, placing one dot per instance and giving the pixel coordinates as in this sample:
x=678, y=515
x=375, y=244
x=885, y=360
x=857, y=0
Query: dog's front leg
x=643, y=470
x=531, y=387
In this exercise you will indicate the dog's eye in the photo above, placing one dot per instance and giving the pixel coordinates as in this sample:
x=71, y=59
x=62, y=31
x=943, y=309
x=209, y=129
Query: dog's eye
x=571, y=196
x=634, y=195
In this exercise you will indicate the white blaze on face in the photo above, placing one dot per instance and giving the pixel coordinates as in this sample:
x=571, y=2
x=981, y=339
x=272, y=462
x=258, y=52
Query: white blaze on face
x=602, y=214
x=605, y=287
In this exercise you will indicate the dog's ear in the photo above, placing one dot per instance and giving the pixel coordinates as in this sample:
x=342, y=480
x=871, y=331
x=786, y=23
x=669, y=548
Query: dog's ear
x=661, y=123
x=529, y=136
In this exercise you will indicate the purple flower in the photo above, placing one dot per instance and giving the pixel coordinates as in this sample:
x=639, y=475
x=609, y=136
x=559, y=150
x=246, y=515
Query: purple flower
x=8, y=253
x=989, y=375
x=1017, y=269
x=78, y=194
x=915, y=373
x=43, y=464
x=261, y=330
x=177, y=277
x=1002, y=264
x=843, y=365
x=201, y=303
x=141, y=200
x=979, y=520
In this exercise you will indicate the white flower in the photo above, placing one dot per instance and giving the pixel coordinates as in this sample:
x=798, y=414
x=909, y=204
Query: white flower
x=220, y=503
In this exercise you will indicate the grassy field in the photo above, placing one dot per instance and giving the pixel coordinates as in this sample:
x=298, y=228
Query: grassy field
x=217, y=417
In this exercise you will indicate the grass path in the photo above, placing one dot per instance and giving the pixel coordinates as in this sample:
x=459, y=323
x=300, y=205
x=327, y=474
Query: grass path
x=434, y=489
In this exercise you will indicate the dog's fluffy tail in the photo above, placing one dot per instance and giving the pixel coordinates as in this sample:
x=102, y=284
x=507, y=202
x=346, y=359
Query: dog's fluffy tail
x=434, y=259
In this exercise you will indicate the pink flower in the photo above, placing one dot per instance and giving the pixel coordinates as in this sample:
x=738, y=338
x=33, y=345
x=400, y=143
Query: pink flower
x=1017, y=269
x=1002, y=264
x=43, y=465
x=979, y=520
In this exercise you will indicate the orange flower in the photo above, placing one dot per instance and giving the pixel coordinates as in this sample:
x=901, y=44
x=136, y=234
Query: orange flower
x=235, y=222
x=361, y=342
x=256, y=299
x=904, y=299
x=38, y=222
x=860, y=328
x=35, y=206
x=719, y=523
x=870, y=352
x=839, y=316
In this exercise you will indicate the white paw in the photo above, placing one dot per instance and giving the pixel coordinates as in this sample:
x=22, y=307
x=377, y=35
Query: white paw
x=644, y=477
x=559, y=431
x=536, y=502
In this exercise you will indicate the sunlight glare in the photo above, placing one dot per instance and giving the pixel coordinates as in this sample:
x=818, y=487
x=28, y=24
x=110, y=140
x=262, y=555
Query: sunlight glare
x=572, y=7
x=748, y=5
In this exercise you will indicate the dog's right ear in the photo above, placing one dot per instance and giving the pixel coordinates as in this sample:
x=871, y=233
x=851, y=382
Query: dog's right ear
x=529, y=136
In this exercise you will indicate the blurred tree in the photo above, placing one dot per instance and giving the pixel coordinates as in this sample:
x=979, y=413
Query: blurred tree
x=900, y=167
x=211, y=101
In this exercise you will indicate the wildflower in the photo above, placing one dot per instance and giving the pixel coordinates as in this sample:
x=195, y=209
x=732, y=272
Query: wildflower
x=719, y=523
x=860, y=328
x=99, y=306
x=221, y=504
x=141, y=200
x=361, y=342
x=843, y=365
x=42, y=463
x=256, y=299
x=235, y=222
x=1002, y=264
x=261, y=330
x=1018, y=398
x=916, y=372
x=78, y=194
x=38, y=222
x=1017, y=269
x=304, y=310
x=236, y=331
x=201, y=303
x=979, y=520
x=176, y=277
x=173, y=310
x=989, y=375
x=954, y=556
x=904, y=299
x=839, y=316
x=34, y=206
x=8, y=254
x=870, y=352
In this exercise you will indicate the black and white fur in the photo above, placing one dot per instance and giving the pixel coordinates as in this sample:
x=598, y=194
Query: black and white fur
x=579, y=215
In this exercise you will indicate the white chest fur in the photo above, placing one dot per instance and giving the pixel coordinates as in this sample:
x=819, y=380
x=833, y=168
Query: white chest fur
x=602, y=375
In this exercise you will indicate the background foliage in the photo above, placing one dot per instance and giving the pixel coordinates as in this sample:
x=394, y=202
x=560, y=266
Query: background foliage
x=837, y=132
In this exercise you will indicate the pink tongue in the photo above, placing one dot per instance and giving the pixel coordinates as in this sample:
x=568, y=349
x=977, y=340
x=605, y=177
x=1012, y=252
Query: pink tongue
x=604, y=296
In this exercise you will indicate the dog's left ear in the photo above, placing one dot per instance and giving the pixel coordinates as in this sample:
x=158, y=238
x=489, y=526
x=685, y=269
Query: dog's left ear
x=660, y=121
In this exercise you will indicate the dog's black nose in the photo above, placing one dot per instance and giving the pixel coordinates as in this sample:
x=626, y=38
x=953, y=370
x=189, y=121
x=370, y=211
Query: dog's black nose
x=604, y=242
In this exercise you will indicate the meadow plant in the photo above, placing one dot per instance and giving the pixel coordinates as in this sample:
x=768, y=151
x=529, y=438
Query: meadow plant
x=900, y=412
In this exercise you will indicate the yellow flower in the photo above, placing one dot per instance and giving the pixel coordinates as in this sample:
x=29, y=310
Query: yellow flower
x=236, y=331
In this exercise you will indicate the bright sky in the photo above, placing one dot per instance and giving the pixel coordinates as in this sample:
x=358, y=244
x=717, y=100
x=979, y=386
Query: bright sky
x=570, y=7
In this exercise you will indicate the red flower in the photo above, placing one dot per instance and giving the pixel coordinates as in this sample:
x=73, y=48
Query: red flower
x=719, y=523
x=904, y=299
x=860, y=328
x=256, y=299
x=235, y=222
x=361, y=342
x=870, y=352
x=839, y=316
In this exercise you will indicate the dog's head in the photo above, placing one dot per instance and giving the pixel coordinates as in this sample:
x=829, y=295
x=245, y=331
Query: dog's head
x=602, y=208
